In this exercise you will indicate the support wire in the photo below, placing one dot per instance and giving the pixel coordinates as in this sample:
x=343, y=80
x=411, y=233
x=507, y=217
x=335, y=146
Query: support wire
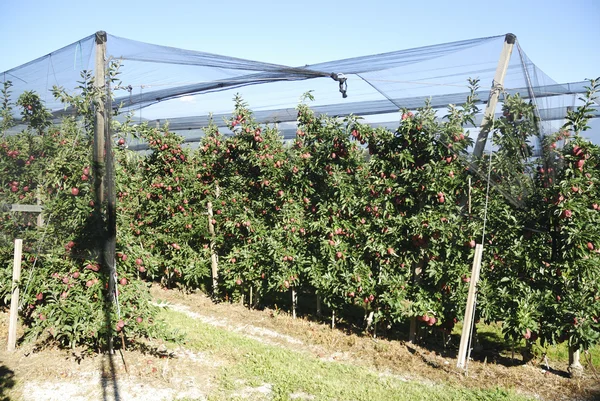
x=485, y=211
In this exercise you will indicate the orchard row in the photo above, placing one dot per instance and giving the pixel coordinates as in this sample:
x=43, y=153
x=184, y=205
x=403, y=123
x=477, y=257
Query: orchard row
x=383, y=220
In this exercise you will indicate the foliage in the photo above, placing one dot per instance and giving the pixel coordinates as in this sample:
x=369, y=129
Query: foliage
x=64, y=290
x=379, y=221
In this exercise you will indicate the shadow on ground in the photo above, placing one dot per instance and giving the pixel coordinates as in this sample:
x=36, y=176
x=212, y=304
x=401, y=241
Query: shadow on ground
x=7, y=381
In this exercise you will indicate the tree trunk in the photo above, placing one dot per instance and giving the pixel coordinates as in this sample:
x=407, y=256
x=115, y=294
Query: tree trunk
x=294, y=302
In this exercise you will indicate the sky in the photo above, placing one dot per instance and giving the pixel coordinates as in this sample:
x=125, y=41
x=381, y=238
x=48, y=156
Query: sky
x=560, y=37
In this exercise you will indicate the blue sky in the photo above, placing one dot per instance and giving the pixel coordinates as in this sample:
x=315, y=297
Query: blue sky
x=560, y=37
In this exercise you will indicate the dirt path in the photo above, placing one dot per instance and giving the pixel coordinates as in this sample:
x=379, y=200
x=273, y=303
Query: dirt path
x=61, y=375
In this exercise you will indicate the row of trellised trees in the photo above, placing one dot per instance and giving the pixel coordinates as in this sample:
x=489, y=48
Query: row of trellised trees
x=348, y=215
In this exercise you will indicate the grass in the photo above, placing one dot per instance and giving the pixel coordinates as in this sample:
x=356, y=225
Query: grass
x=253, y=370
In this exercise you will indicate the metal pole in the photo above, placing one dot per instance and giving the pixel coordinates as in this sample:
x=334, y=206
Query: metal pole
x=497, y=85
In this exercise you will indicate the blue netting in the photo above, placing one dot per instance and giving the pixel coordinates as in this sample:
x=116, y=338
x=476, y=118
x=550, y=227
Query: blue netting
x=182, y=87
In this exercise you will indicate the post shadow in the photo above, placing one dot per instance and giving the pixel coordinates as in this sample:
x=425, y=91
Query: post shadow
x=7, y=381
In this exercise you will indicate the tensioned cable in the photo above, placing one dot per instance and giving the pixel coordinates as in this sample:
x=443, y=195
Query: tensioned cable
x=530, y=89
x=390, y=99
x=37, y=252
x=42, y=240
x=485, y=210
x=175, y=84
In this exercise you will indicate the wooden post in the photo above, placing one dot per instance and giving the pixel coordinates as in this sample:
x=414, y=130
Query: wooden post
x=470, y=308
x=99, y=83
x=294, y=299
x=332, y=319
x=213, y=255
x=497, y=85
x=40, y=218
x=250, y=301
x=14, y=300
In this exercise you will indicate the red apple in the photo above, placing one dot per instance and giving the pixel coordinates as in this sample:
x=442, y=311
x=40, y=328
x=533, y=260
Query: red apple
x=74, y=191
x=590, y=246
x=123, y=281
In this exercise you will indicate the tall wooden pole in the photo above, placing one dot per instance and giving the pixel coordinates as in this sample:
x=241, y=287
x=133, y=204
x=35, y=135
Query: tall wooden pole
x=14, y=299
x=465, y=337
x=100, y=175
x=111, y=203
x=99, y=146
x=497, y=85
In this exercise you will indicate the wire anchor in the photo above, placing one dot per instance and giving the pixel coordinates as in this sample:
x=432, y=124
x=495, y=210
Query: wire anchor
x=341, y=78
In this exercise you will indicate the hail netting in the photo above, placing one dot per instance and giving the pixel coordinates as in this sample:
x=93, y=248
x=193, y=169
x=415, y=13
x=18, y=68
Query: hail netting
x=181, y=87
